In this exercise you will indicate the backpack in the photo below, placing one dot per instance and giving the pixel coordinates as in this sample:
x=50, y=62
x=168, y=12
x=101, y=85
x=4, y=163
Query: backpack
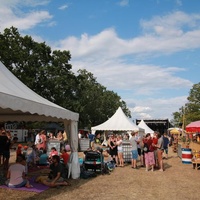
x=146, y=148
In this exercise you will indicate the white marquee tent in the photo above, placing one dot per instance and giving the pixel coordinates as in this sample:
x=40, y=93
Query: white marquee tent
x=143, y=125
x=20, y=103
x=118, y=122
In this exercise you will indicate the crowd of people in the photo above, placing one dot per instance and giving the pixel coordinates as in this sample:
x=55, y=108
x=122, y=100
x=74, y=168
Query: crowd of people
x=148, y=151
x=34, y=156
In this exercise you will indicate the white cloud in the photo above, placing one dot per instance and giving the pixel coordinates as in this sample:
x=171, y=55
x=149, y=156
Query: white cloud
x=162, y=35
x=19, y=3
x=157, y=108
x=175, y=21
x=105, y=55
x=63, y=7
x=113, y=60
x=124, y=2
x=11, y=15
x=139, y=109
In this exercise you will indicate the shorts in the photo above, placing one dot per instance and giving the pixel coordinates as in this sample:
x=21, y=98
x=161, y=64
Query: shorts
x=139, y=151
x=134, y=154
x=166, y=150
x=156, y=154
x=120, y=151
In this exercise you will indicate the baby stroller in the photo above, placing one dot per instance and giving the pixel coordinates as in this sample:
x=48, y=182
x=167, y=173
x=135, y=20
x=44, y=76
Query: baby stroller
x=93, y=160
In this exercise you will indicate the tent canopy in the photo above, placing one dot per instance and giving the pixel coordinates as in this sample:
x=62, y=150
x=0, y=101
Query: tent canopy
x=193, y=127
x=20, y=103
x=143, y=125
x=118, y=122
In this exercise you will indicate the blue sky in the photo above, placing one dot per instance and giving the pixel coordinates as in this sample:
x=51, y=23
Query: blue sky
x=147, y=51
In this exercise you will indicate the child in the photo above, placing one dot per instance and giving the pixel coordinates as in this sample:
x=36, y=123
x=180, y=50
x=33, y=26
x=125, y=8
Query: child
x=19, y=150
x=65, y=156
x=43, y=159
x=25, y=151
x=25, y=154
x=52, y=153
x=32, y=157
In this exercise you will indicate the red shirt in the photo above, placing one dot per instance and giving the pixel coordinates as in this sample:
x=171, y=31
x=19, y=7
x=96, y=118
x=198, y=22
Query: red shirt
x=65, y=157
x=155, y=141
x=19, y=151
x=149, y=143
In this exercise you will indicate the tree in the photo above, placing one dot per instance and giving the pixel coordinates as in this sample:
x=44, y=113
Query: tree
x=191, y=110
x=49, y=74
x=95, y=102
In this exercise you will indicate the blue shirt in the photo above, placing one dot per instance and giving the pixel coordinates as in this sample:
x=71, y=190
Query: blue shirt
x=43, y=159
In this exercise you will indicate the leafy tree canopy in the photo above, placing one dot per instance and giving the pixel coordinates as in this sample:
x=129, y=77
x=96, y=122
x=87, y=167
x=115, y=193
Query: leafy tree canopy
x=191, y=110
x=49, y=74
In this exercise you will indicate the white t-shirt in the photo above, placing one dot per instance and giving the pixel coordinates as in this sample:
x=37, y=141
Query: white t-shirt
x=37, y=138
x=16, y=173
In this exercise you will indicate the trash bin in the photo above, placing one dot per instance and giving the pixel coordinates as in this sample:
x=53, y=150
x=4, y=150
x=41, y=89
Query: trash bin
x=186, y=155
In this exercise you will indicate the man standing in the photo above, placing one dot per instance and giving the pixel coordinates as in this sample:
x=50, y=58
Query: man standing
x=160, y=152
x=133, y=151
x=3, y=141
x=138, y=140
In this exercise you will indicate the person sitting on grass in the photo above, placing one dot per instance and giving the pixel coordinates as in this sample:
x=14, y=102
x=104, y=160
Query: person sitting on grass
x=16, y=174
x=57, y=174
x=43, y=159
x=32, y=157
x=65, y=156
x=52, y=153
x=19, y=150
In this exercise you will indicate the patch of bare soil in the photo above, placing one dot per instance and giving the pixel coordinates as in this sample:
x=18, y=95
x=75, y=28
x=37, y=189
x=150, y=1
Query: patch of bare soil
x=178, y=181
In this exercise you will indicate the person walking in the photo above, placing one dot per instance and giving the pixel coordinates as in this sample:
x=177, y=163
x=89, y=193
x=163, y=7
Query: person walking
x=165, y=145
x=160, y=152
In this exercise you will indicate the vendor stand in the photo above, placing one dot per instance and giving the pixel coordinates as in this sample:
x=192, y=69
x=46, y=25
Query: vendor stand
x=53, y=143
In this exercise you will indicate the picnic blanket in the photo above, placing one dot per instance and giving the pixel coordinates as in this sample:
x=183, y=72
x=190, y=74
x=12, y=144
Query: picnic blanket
x=37, y=187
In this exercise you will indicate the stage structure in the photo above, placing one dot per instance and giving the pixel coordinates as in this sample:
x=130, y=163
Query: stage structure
x=160, y=125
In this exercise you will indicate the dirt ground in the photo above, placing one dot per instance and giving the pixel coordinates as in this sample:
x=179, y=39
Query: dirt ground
x=178, y=181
